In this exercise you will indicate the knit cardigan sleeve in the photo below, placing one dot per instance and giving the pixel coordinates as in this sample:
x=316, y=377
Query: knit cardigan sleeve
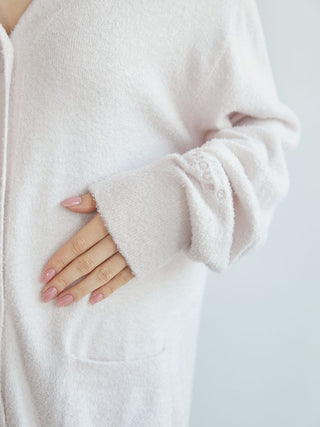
x=214, y=201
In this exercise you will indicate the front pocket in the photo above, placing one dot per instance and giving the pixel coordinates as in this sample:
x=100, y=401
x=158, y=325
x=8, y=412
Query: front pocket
x=126, y=326
x=117, y=393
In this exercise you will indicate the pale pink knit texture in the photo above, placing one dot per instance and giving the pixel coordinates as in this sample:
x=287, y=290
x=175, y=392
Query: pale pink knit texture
x=167, y=112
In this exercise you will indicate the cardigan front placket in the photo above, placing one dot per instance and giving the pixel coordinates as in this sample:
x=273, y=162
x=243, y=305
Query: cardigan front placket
x=6, y=62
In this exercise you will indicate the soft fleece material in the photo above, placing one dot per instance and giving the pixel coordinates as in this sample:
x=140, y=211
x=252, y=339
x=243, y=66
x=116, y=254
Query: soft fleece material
x=168, y=113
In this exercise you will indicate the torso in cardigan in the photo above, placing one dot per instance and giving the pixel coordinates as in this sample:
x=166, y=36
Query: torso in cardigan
x=98, y=88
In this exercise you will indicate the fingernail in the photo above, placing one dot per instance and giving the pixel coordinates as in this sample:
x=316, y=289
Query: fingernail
x=96, y=298
x=66, y=299
x=49, y=294
x=47, y=275
x=71, y=201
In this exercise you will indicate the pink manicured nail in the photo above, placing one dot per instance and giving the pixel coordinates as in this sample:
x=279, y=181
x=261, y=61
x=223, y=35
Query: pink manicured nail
x=71, y=201
x=49, y=294
x=96, y=298
x=47, y=275
x=66, y=299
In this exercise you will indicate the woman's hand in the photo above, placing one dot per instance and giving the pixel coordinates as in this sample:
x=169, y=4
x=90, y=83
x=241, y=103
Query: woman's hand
x=92, y=252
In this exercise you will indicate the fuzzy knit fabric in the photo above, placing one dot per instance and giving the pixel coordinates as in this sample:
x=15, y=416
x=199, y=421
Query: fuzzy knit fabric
x=168, y=113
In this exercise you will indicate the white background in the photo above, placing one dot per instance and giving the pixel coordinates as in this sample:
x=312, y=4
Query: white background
x=258, y=359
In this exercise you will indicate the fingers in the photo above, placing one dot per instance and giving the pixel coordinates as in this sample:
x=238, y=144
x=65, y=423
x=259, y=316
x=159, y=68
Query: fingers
x=79, y=267
x=115, y=283
x=83, y=203
x=91, y=255
x=81, y=241
x=102, y=274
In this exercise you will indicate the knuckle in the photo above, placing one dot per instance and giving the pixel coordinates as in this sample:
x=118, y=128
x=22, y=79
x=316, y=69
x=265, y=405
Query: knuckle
x=104, y=274
x=60, y=263
x=78, y=245
x=110, y=287
x=60, y=283
x=85, y=265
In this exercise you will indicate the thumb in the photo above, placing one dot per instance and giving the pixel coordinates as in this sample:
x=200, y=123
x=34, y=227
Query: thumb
x=83, y=203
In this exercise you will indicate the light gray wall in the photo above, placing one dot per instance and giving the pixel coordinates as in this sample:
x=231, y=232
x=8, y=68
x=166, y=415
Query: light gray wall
x=258, y=360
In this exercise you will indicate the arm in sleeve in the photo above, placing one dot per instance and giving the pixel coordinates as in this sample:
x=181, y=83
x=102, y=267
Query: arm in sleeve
x=215, y=201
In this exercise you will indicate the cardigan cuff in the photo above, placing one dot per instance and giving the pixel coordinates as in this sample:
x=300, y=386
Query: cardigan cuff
x=144, y=210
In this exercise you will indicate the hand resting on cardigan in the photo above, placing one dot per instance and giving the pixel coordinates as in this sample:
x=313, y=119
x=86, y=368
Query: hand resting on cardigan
x=91, y=252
